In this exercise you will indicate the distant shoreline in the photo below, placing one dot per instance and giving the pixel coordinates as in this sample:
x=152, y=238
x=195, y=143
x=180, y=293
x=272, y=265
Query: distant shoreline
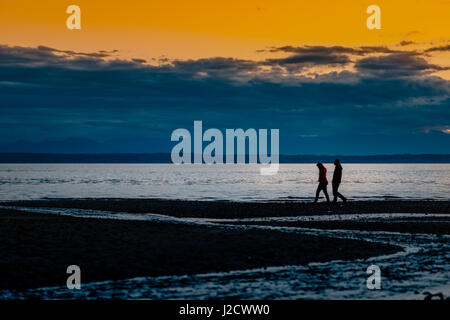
x=164, y=158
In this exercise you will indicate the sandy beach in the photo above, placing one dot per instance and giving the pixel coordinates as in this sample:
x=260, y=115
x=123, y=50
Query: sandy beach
x=36, y=248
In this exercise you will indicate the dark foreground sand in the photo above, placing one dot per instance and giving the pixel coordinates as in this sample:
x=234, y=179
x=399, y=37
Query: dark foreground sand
x=35, y=249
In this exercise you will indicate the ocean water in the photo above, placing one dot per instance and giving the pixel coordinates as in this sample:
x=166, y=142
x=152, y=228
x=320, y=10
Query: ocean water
x=219, y=182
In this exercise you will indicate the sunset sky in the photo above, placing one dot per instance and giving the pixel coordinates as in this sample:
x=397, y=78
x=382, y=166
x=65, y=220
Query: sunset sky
x=139, y=69
x=203, y=28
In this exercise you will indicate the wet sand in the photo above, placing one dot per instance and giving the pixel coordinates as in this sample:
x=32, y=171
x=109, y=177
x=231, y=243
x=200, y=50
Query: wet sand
x=228, y=209
x=35, y=249
x=431, y=227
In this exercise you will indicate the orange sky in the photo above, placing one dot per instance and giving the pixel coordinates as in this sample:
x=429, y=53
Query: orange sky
x=183, y=29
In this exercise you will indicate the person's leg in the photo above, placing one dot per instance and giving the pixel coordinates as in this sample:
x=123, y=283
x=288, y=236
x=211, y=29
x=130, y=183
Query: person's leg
x=335, y=186
x=325, y=191
x=319, y=187
x=339, y=194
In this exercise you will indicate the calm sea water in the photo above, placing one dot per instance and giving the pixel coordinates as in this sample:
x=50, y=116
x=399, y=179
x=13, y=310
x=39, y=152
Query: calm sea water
x=225, y=182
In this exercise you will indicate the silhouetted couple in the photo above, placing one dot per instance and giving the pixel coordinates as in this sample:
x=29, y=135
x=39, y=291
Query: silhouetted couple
x=323, y=182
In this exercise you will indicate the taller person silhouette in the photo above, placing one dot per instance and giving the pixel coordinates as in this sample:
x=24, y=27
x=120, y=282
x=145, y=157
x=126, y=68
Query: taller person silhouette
x=337, y=177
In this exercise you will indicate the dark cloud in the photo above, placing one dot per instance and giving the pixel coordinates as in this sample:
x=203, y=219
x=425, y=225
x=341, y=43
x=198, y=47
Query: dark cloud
x=300, y=61
x=442, y=48
x=332, y=50
x=302, y=57
x=402, y=64
x=48, y=95
x=216, y=67
x=45, y=55
x=406, y=43
x=137, y=60
x=100, y=54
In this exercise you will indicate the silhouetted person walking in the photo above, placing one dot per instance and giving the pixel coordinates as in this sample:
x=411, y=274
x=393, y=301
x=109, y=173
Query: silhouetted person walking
x=323, y=182
x=337, y=177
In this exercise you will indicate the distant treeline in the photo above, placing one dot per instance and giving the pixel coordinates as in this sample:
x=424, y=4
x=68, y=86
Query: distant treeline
x=165, y=158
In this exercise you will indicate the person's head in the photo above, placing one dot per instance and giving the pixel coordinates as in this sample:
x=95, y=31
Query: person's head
x=337, y=162
x=319, y=165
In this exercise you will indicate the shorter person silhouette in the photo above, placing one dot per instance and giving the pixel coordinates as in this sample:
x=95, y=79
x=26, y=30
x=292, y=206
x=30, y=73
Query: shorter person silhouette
x=337, y=177
x=323, y=182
